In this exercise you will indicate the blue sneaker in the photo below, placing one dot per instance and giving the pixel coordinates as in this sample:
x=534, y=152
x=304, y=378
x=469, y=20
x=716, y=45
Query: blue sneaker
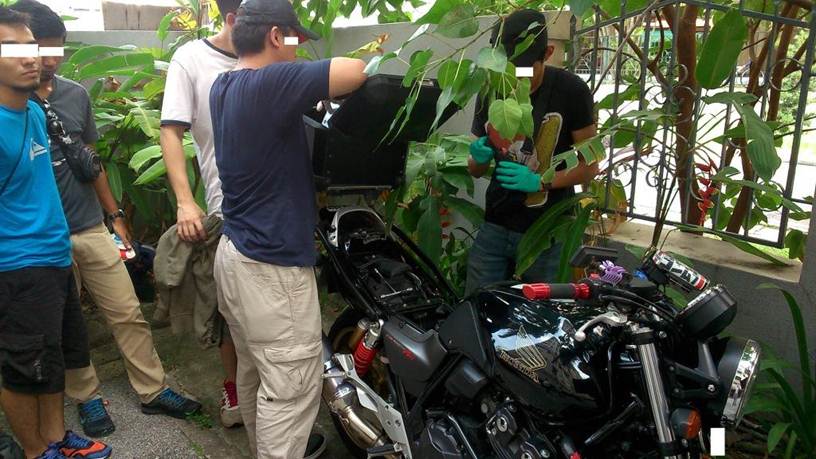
x=94, y=418
x=53, y=452
x=172, y=404
x=75, y=446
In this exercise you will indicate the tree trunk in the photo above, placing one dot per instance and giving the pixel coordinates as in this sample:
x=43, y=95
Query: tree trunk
x=685, y=93
x=779, y=71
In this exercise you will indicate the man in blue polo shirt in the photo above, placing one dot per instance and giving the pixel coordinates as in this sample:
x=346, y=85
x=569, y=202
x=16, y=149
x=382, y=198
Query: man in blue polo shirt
x=264, y=266
x=41, y=327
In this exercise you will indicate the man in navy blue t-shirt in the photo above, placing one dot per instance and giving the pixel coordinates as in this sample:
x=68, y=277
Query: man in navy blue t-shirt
x=264, y=264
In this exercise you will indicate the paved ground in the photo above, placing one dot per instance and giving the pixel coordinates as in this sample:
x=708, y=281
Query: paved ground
x=192, y=370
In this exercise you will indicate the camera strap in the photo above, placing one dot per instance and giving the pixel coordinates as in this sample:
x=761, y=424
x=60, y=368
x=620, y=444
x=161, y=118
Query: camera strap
x=19, y=157
x=71, y=149
x=56, y=130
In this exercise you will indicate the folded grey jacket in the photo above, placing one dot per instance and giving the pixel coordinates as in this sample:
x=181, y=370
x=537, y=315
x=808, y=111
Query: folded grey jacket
x=185, y=283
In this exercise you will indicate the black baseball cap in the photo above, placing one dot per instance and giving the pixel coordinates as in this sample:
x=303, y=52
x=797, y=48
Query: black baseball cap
x=518, y=26
x=277, y=12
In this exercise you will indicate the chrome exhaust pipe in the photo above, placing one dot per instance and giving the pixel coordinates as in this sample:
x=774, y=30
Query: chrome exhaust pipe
x=341, y=398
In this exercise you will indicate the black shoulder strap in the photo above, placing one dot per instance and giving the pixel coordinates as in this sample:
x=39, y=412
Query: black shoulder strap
x=19, y=157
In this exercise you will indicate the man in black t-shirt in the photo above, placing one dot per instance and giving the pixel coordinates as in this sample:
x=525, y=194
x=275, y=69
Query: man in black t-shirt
x=516, y=197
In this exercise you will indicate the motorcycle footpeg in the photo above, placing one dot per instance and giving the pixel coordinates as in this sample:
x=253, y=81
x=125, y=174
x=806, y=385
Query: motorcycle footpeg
x=380, y=451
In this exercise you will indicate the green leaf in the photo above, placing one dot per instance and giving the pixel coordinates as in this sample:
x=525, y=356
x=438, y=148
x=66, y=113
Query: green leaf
x=791, y=398
x=505, y=116
x=795, y=241
x=452, y=73
x=472, y=213
x=575, y=238
x=459, y=179
x=374, y=64
x=758, y=134
x=87, y=54
x=726, y=97
x=459, y=22
x=121, y=64
x=153, y=88
x=776, y=433
x=761, y=148
x=524, y=45
x=527, y=124
x=164, y=25
x=114, y=180
x=537, y=238
x=721, y=50
x=492, y=59
x=148, y=121
x=470, y=87
x=153, y=173
x=632, y=92
x=442, y=103
x=438, y=11
x=429, y=229
x=613, y=7
x=738, y=243
x=801, y=336
x=141, y=157
x=417, y=67
x=579, y=7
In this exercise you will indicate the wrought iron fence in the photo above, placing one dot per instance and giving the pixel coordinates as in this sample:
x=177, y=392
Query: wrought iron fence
x=632, y=63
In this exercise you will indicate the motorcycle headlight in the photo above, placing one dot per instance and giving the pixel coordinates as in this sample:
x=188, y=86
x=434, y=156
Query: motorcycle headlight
x=737, y=368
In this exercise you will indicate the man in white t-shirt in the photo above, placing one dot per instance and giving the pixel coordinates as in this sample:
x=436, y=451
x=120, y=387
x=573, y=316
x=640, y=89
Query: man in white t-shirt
x=192, y=71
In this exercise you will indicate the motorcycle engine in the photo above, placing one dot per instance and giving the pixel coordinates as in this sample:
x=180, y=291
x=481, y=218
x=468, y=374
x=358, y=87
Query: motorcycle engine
x=511, y=437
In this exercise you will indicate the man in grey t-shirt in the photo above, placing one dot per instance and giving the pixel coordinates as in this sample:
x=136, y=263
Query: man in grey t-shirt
x=79, y=200
x=96, y=260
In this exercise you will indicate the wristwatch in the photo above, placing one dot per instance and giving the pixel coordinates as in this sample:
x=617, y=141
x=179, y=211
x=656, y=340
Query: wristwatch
x=114, y=215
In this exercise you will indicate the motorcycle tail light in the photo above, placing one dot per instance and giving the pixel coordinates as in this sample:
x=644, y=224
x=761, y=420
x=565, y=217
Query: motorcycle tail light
x=686, y=423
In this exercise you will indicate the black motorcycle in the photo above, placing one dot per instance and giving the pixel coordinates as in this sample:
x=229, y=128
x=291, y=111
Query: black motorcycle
x=606, y=367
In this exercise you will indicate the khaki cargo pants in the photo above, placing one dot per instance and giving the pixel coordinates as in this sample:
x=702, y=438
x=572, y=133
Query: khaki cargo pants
x=98, y=266
x=274, y=318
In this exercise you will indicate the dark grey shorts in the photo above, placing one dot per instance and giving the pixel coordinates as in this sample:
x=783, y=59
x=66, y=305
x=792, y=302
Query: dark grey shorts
x=42, y=331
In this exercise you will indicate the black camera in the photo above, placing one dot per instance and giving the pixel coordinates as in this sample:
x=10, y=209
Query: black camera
x=84, y=163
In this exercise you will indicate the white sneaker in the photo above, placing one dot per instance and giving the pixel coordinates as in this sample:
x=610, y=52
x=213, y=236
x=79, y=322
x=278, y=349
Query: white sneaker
x=230, y=414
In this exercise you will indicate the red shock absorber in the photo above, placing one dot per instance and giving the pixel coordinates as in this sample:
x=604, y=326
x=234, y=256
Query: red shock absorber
x=367, y=349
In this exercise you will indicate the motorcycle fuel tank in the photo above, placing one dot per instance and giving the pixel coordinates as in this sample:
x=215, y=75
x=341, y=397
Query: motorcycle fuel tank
x=539, y=360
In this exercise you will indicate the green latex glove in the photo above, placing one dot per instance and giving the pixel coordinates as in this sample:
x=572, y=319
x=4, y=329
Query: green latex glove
x=480, y=151
x=518, y=177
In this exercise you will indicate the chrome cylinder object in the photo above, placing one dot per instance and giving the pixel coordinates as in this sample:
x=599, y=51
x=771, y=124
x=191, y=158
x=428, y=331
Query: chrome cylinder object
x=341, y=398
x=657, y=394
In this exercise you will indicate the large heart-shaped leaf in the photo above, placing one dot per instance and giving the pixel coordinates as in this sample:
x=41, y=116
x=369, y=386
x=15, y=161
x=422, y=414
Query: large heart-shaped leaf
x=492, y=59
x=472, y=213
x=459, y=22
x=417, y=66
x=721, y=50
x=505, y=116
x=439, y=9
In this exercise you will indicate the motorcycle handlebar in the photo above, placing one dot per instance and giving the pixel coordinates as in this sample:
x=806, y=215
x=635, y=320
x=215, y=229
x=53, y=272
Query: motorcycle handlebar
x=545, y=291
